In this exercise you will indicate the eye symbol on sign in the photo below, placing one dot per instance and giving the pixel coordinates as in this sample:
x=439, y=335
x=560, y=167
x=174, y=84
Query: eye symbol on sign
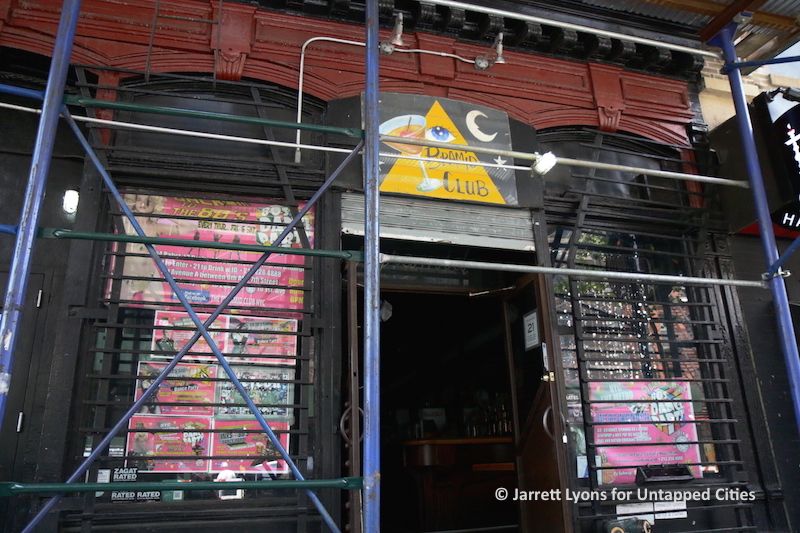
x=439, y=134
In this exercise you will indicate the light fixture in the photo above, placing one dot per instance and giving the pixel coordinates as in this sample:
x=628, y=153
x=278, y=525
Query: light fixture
x=388, y=47
x=70, y=202
x=498, y=49
x=543, y=163
x=791, y=94
x=483, y=62
x=397, y=32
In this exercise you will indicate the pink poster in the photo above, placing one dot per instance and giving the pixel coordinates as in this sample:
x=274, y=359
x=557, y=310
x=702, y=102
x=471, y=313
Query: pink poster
x=663, y=408
x=182, y=386
x=173, y=329
x=263, y=338
x=199, y=269
x=180, y=437
x=257, y=453
x=270, y=388
x=245, y=339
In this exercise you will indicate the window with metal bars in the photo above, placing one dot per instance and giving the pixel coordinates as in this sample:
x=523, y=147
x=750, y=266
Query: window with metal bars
x=649, y=368
x=197, y=427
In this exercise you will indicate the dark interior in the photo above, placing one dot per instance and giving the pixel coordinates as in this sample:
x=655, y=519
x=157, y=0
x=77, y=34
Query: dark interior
x=446, y=407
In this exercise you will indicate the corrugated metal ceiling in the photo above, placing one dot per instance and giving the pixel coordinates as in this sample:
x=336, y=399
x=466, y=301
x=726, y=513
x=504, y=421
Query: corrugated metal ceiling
x=774, y=27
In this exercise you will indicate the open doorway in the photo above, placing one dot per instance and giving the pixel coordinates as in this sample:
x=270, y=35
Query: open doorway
x=447, y=425
x=467, y=394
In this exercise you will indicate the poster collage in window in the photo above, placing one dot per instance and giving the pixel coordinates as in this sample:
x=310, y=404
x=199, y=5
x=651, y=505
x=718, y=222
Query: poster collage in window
x=197, y=422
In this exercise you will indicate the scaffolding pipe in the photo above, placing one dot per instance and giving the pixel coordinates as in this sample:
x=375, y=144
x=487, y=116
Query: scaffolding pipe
x=21, y=91
x=185, y=133
x=58, y=233
x=759, y=63
x=586, y=273
x=775, y=267
x=491, y=151
x=778, y=285
x=34, y=195
x=527, y=156
x=569, y=26
x=180, y=112
x=210, y=115
x=372, y=420
x=13, y=488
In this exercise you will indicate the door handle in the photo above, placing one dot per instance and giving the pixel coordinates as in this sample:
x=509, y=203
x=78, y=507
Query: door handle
x=544, y=422
x=547, y=429
x=549, y=377
x=347, y=412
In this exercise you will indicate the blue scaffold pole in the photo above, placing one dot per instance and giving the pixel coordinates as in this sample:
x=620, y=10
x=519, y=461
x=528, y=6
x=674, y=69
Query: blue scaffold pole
x=777, y=284
x=34, y=196
x=372, y=420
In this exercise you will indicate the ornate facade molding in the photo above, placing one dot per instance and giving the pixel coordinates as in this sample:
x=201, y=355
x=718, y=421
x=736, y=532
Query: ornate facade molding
x=265, y=45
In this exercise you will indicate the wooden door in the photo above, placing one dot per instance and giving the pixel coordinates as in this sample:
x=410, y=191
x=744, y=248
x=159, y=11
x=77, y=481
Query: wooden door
x=539, y=433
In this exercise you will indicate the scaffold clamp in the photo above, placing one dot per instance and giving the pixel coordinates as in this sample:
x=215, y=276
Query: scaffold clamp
x=767, y=276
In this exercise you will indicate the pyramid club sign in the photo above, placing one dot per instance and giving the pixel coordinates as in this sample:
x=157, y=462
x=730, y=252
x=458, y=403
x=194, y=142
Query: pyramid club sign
x=458, y=174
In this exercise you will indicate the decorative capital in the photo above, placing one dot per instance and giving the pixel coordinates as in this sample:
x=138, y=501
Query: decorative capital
x=609, y=117
x=232, y=39
x=229, y=65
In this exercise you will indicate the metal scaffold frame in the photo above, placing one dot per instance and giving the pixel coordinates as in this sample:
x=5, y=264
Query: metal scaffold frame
x=27, y=231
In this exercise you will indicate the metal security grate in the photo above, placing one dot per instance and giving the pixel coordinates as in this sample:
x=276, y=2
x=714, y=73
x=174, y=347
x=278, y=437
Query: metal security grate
x=197, y=427
x=649, y=367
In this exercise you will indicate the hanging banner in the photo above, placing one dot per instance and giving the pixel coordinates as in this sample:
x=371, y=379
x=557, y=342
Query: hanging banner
x=445, y=121
x=187, y=390
x=201, y=270
x=180, y=437
x=259, y=455
x=663, y=410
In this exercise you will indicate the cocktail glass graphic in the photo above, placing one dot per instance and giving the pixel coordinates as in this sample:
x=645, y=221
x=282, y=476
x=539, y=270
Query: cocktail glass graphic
x=410, y=127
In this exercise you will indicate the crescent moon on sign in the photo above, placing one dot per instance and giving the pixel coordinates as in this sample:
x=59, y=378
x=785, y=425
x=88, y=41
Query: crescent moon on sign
x=473, y=128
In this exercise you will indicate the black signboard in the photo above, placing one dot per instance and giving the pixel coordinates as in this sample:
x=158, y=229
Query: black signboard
x=456, y=173
x=783, y=145
x=441, y=171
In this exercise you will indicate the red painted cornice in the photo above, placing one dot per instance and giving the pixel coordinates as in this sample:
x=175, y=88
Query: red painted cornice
x=265, y=45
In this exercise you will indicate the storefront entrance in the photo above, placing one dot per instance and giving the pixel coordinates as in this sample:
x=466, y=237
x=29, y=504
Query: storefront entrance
x=468, y=421
x=447, y=438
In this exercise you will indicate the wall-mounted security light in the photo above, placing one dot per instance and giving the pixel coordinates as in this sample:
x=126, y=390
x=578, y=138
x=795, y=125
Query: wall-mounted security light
x=791, y=94
x=483, y=62
x=388, y=47
x=543, y=163
x=397, y=32
x=70, y=202
x=498, y=49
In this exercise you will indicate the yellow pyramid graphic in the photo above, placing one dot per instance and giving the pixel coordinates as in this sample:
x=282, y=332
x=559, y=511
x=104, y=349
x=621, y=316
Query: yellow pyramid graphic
x=454, y=179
